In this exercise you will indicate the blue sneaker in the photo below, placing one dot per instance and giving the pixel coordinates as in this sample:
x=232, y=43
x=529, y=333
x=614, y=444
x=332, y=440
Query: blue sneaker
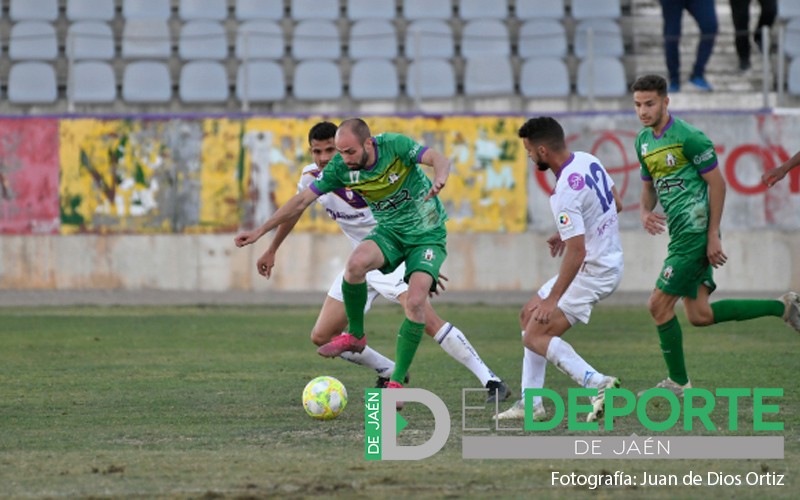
x=674, y=87
x=701, y=83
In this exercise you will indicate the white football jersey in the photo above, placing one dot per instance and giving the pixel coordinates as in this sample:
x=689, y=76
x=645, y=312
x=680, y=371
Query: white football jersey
x=346, y=207
x=583, y=203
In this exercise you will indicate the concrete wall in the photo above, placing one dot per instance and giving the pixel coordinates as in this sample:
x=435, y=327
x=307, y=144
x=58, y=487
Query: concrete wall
x=759, y=261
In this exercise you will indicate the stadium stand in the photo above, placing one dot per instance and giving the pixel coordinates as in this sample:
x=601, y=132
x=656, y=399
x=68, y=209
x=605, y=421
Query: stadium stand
x=90, y=10
x=33, y=40
x=539, y=9
x=557, y=83
x=148, y=9
x=93, y=82
x=146, y=82
x=194, y=10
x=373, y=38
x=33, y=10
x=259, y=39
x=90, y=40
x=260, y=81
x=481, y=9
x=429, y=38
x=359, y=10
x=203, y=82
x=374, y=79
x=32, y=82
x=259, y=9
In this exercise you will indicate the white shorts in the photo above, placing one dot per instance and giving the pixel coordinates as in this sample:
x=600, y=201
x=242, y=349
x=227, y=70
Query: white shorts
x=389, y=286
x=584, y=292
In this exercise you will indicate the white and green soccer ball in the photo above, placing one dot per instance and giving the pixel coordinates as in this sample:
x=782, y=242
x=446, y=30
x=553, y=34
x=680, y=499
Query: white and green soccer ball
x=324, y=398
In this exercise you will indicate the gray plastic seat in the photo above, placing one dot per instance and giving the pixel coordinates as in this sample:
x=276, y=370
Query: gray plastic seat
x=544, y=77
x=314, y=9
x=146, y=9
x=33, y=40
x=210, y=10
x=485, y=38
x=317, y=80
x=542, y=38
x=435, y=39
x=32, y=82
x=90, y=10
x=259, y=9
x=33, y=10
x=427, y=9
x=431, y=79
x=93, y=82
x=316, y=39
x=146, y=38
x=259, y=39
x=601, y=77
x=260, y=81
x=488, y=76
x=373, y=38
x=606, y=38
x=594, y=9
x=788, y=8
x=482, y=9
x=539, y=9
x=203, y=82
x=202, y=40
x=146, y=82
x=374, y=79
x=371, y=9
x=90, y=40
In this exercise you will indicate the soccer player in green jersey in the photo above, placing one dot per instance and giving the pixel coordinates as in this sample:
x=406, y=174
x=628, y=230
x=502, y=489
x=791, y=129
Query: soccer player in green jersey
x=679, y=169
x=410, y=228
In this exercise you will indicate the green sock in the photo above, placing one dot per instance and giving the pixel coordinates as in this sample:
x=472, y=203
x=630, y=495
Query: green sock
x=355, y=299
x=407, y=342
x=742, y=309
x=671, y=337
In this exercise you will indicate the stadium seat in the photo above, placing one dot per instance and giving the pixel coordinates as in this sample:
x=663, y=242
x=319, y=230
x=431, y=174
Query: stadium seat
x=259, y=39
x=594, y=9
x=211, y=10
x=788, y=9
x=32, y=82
x=427, y=9
x=374, y=79
x=601, y=77
x=146, y=9
x=793, y=77
x=202, y=40
x=146, y=82
x=358, y=10
x=203, y=82
x=485, y=38
x=260, y=81
x=481, y=9
x=314, y=9
x=93, y=82
x=259, y=9
x=90, y=40
x=316, y=80
x=544, y=77
x=373, y=38
x=606, y=38
x=33, y=40
x=791, y=42
x=146, y=38
x=431, y=79
x=435, y=39
x=542, y=38
x=316, y=39
x=33, y=10
x=90, y=10
x=488, y=76
x=539, y=9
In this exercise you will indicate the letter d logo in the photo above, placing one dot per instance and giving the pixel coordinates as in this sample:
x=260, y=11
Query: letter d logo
x=441, y=430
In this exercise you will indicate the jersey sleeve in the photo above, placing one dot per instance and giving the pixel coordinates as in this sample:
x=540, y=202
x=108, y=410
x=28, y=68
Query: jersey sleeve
x=306, y=178
x=644, y=172
x=406, y=148
x=328, y=179
x=699, y=150
x=567, y=210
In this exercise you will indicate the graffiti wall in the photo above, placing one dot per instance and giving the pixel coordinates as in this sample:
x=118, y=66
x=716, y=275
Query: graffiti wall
x=211, y=175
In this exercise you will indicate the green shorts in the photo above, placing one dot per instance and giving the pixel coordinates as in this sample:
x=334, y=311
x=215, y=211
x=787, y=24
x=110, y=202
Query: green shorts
x=686, y=267
x=421, y=253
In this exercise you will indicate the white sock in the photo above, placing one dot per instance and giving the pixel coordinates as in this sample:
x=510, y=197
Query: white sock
x=455, y=343
x=561, y=354
x=371, y=358
x=533, y=371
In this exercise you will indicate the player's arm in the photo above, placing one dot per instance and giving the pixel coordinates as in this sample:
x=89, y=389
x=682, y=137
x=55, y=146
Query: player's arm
x=652, y=222
x=293, y=208
x=266, y=262
x=617, y=199
x=441, y=170
x=573, y=260
x=716, y=201
x=776, y=174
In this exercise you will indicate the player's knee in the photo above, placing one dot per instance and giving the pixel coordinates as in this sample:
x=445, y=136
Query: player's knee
x=317, y=338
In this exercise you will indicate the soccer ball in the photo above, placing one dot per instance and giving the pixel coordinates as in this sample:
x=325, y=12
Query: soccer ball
x=324, y=398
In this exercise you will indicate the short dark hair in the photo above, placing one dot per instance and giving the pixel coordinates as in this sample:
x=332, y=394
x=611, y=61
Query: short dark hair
x=649, y=83
x=544, y=130
x=322, y=131
x=358, y=127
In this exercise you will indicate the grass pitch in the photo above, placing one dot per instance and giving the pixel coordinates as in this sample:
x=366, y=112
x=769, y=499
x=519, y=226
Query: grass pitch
x=181, y=402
